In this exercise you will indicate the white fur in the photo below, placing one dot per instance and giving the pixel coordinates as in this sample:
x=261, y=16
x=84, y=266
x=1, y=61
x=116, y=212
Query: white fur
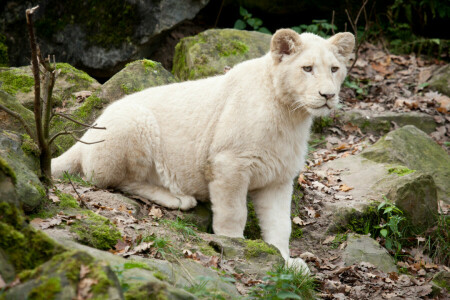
x=220, y=138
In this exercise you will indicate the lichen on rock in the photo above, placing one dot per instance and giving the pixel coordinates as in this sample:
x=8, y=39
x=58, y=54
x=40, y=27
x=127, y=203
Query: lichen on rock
x=207, y=53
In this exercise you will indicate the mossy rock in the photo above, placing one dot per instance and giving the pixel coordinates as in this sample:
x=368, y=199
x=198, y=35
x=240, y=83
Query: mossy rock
x=18, y=157
x=440, y=80
x=19, y=82
x=371, y=122
x=413, y=148
x=96, y=231
x=361, y=248
x=209, y=52
x=10, y=123
x=60, y=278
x=21, y=246
x=135, y=77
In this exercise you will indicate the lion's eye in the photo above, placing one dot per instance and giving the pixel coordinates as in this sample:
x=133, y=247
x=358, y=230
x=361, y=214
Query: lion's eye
x=334, y=69
x=307, y=69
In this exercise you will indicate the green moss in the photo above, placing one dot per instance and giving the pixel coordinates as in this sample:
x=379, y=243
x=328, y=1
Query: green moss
x=39, y=188
x=180, y=69
x=14, y=81
x=108, y=23
x=29, y=146
x=150, y=290
x=148, y=64
x=400, y=171
x=136, y=265
x=25, y=247
x=67, y=201
x=4, y=59
x=92, y=102
x=252, y=230
x=96, y=231
x=232, y=47
x=6, y=169
x=128, y=88
x=254, y=248
x=160, y=276
x=208, y=250
x=47, y=290
x=74, y=75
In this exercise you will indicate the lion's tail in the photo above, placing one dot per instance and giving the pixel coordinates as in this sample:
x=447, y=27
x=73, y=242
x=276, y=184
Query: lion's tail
x=69, y=161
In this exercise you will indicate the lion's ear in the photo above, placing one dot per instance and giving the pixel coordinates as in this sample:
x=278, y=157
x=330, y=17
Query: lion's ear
x=284, y=42
x=344, y=41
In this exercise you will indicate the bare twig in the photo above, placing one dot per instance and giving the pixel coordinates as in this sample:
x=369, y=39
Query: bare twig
x=37, y=81
x=77, y=122
x=20, y=119
x=82, y=203
x=354, y=25
x=71, y=133
x=332, y=23
x=83, y=142
x=218, y=15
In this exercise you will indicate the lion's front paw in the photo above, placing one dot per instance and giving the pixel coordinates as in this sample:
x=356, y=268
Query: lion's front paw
x=299, y=264
x=187, y=202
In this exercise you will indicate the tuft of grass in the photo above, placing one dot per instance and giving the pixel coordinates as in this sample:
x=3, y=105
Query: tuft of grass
x=161, y=244
x=438, y=240
x=76, y=178
x=285, y=283
x=185, y=228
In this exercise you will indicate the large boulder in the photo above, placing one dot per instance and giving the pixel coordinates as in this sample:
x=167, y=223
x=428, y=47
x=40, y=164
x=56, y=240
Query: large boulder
x=135, y=77
x=209, y=52
x=405, y=167
x=382, y=122
x=99, y=36
x=414, y=149
x=18, y=154
x=440, y=80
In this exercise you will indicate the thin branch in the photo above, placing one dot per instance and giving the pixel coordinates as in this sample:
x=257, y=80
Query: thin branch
x=77, y=122
x=71, y=133
x=20, y=119
x=218, y=15
x=87, y=143
x=83, y=204
x=37, y=82
x=354, y=25
x=332, y=23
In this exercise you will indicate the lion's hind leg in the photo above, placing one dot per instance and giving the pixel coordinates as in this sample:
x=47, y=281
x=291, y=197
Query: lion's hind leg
x=160, y=195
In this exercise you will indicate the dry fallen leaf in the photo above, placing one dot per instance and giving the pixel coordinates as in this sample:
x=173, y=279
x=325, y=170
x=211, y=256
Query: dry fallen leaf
x=345, y=188
x=2, y=282
x=328, y=240
x=298, y=221
x=155, y=213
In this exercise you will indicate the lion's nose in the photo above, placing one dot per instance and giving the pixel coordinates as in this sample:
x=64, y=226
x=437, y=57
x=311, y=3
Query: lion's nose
x=327, y=96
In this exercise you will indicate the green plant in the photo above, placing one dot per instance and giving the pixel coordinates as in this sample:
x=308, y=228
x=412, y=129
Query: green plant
x=389, y=229
x=161, y=244
x=180, y=225
x=338, y=239
x=248, y=20
x=285, y=283
x=438, y=240
x=319, y=27
x=356, y=85
x=75, y=178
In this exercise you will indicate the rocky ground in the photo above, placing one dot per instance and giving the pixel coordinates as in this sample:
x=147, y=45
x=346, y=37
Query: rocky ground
x=389, y=140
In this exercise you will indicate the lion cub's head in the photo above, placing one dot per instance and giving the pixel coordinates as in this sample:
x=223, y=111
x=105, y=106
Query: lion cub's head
x=308, y=70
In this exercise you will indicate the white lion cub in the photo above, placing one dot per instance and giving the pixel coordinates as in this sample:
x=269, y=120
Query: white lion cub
x=223, y=137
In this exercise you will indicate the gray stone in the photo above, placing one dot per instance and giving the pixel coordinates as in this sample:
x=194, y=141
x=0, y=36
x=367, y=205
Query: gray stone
x=209, y=52
x=97, y=36
x=29, y=189
x=413, y=148
x=440, y=80
x=135, y=77
x=59, y=279
x=381, y=122
x=361, y=248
